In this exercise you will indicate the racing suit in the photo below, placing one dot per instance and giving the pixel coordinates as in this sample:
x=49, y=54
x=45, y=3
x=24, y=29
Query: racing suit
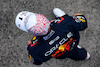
x=60, y=42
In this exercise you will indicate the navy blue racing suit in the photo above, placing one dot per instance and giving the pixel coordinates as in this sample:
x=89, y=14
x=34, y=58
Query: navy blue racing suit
x=60, y=42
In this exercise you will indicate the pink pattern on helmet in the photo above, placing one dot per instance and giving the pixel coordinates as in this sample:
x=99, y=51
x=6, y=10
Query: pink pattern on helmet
x=41, y=28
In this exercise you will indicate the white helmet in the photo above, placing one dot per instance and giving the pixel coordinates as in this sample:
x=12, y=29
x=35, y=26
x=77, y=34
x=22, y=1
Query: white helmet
x=36, y=24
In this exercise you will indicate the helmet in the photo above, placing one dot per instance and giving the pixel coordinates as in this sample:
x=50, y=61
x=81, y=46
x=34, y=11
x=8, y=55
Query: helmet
x=33, y=23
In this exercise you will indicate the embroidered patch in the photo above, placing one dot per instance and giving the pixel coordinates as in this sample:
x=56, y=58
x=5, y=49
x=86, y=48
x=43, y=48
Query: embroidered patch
x=55, y=39
x=79, y=19
x=69, y=35
x=76, y=19
x=49, y=35
x=34, y=41
x=59, y=20
x=34, y=38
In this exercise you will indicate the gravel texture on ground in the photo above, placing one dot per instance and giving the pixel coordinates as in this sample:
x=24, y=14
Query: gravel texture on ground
x=13, y=51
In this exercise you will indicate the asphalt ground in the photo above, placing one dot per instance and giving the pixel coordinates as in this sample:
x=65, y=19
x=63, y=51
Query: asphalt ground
x=13, y=52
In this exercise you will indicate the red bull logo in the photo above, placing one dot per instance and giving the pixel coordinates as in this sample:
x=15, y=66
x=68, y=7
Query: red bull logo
x=62, y=48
